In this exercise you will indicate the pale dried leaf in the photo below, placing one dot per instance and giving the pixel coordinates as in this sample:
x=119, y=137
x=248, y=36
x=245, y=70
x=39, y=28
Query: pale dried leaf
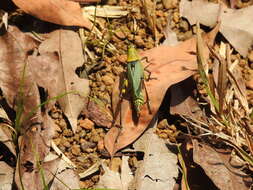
x=106, y=11
x=61, y=12
x=6, y=176
x=65, y=80
x=240, y=35
x=218, y=168
x=110, y=179
x=115, y=180
x=159, y=168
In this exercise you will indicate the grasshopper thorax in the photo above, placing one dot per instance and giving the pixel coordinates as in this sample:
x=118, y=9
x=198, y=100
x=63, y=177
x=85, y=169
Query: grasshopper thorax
x=132, y=54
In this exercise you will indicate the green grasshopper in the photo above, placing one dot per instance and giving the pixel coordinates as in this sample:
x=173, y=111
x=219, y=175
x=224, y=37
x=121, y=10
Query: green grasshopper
x=135, y=79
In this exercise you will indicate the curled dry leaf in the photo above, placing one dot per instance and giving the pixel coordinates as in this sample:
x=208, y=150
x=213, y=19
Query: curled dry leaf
x=63, y=12
x=217, y=167
x=168, y=65
x=56, y=72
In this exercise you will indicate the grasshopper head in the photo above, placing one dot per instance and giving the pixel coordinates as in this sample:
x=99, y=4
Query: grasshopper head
x=132, y=54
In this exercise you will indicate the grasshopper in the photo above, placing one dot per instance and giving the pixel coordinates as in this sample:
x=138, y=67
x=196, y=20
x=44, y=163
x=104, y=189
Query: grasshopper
x=135, y=79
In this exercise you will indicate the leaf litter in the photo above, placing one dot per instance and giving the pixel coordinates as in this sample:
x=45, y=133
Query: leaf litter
x=85, y=145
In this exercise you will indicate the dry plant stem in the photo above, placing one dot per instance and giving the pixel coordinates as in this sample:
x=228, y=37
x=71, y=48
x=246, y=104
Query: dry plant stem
x=201, y=62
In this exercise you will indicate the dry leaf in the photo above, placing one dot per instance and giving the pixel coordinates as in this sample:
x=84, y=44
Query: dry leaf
x=97, y=112
x=6, y=176
x=56, y=73
x=21, y=92
x=218, y=168
x=115, y=180
x=61, y=12
x=235, y=23
x=168, y=65
x=159, y=168
x=182, y=101
x=6, y=132
x=13, y=60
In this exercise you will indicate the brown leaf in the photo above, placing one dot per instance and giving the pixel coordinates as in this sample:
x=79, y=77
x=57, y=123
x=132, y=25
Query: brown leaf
x=97, y=113
x=182, y=101
x=56, y=73
x=218, y=168
x=14, y=47
x=61, y=12
x=169, y=65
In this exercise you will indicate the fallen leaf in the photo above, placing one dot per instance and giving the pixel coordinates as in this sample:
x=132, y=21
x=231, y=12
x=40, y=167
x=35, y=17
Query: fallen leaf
x=182, y=101
x=240, y=35
x=56, y=173
x=159, y=169
x=218, y=168
x=6, y=132
x=168, y=65
x=19, y=88
x=6, y=176
x=61, y=12
x=115, y=180
x=97, y=112
x=35, y=128
x=56, y=73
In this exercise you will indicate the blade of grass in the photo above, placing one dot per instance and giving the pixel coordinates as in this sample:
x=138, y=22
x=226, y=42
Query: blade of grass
x=202, y=61
x=182, y=164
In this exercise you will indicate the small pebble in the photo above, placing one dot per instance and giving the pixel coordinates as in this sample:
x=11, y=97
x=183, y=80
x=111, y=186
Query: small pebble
x=86, y=145
x=170, y=4
x=75, y=150
x=62, y=123
x=176, y=17
x=95, y=136
x=65, y=143
x=86, y=124
x=67, y=133
x=82, y=133
x=101, y=145
x=139, y=41
x=81, y=158
x=108, y=80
